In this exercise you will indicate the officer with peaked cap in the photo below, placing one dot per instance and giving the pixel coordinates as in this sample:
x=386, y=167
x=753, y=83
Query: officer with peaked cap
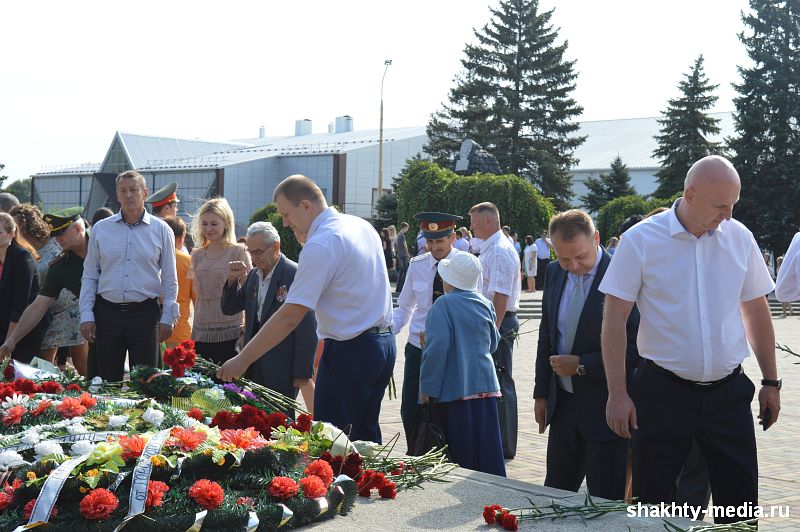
x=65, y=272
x=164, y=201
x=422, y=287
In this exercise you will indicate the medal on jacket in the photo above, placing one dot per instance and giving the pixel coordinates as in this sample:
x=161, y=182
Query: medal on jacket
x=281, y=294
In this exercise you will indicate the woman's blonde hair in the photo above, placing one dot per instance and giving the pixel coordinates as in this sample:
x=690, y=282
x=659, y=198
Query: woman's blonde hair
x=221, y=208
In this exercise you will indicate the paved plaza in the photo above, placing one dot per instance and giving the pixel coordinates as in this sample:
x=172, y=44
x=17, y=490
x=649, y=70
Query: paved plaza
x=778, y=456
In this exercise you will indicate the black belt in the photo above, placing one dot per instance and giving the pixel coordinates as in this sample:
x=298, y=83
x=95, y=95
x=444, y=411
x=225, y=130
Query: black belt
x=708, y=385
x=509, y=314
x=126, y=307
x=378, y=330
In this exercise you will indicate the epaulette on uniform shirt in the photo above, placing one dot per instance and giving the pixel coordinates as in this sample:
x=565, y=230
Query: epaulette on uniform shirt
x=420, y=257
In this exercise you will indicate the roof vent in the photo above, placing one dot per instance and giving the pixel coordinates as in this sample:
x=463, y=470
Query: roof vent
x=302, y=127
x=344, y=124
x=261, y=132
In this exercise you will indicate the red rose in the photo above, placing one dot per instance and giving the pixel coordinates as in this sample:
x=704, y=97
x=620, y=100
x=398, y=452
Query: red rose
x=51, y=387
x=87, y=400
x=282, y=488
x=196, y=413
x=303, y=423
x=388, y=490
x=313, y=487
x=155, y=494
x=207, y=494
x=510, y=521
x=99, y=504
x=322, y=469
x=73, y=387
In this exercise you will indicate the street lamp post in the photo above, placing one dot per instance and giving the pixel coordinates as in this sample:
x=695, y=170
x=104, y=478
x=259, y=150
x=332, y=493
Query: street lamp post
x=380, y=135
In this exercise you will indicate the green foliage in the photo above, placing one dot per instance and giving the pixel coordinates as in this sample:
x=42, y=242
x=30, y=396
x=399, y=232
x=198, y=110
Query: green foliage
x=20, y=188
x=513, y=98
x=684, y=131
x=608, y=186
x=2, y=177
x=767, y=141
x=425, y=186
x=289, y=244
x=617, y=210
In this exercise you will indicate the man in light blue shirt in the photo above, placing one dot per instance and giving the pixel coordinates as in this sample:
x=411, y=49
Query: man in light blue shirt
x=129, y=265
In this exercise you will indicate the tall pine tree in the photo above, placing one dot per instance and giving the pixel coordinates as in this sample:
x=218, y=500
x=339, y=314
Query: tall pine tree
x=685, y=129
x=513, y=98
x=608, y=186
x=767, y=118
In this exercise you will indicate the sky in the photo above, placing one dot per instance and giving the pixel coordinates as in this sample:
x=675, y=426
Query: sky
x=74, y=73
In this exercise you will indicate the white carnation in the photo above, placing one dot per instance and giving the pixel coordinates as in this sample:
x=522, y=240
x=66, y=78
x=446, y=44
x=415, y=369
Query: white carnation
x=31, y=437
x=117, y=421
x=82, y=447
x=47, y=447
x=11, y=459
x=97, y=381
x=77, y=429
x=154, y=417
x=77, y=420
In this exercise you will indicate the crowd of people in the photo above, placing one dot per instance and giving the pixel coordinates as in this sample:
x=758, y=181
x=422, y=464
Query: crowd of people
x=638, y=366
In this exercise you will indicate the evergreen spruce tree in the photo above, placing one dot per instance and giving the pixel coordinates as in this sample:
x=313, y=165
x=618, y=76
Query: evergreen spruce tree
x=608, y=186
x=767, y=118
x=685, y=129
x=513, y=98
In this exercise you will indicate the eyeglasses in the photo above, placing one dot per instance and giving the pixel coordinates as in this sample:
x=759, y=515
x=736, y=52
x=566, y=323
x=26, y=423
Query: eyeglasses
x=256, y=252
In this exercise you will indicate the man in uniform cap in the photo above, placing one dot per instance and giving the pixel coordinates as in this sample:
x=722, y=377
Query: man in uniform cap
x=164, y=201
x=422, y=287
x=69, y=230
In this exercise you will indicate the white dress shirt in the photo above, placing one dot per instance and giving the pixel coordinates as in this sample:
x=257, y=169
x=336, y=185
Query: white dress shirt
x=787, y=288
x=461, y=244
x=129, y=264
x=689, y=292
x=500, y=263
x=542, y=249
x=561, y=324
x=263, y=288
x=341, y=275
x=416, y=298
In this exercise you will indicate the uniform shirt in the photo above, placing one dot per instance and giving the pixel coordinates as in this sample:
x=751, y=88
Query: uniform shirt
x=461, y=244
x=341, y=275
x=129, y=264
x=542, y=249
x=689, y=292
x=787, y=288
x=416, y=298
x=500, y=263
x=64, y=273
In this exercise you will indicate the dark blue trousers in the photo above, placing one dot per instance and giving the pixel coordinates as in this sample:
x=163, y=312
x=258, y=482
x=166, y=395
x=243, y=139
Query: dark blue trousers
x=671, y=414
x=507, y=404
x=472, y=431
x=351, y=381
x=410, y=409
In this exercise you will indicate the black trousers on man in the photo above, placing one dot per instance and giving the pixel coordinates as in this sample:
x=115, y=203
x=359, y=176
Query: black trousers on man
x=541, y=268
x=507, y=404
x=125, y=328
x=670, y=413
x=573, y=455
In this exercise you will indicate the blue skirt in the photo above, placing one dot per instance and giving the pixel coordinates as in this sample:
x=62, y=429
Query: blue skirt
x=472, y=431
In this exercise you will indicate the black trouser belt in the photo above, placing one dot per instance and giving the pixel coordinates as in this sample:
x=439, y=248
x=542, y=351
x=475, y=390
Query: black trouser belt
x=509, y=314
x=125, y=307
x=378, y=330
x=693, y=384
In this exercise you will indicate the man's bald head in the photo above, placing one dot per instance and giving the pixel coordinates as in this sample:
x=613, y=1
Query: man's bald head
x=713, y=170
x=710, y=191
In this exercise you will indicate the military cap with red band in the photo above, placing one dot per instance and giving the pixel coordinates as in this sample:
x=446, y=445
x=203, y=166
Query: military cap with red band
x=164, y=196
x=436, y=224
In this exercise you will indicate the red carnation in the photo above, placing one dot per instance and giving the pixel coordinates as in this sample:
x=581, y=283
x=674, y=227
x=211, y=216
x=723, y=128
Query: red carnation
x=245, y=501
x=369, y=481
x=510, y=521
x=196, y=413
x=8, y=373
x=277, y=419
x=490, y=513
x=14, y=415
x=6, y=390
x=99, y=504
x=388, y=490
x=87, y=400
x=6, y=499
x=71, y=407
x=224, y=420
x=73, y=388
x=179, y=359
x=352, y=465
x=313, y=487
x=132, y=446
x=25, y=386
x=322, y=469
x=155, y=494
x=207, y=494
x=187, y=344
x=28, y=510
x=282, y=487
x=303, y=423
x=51, y=387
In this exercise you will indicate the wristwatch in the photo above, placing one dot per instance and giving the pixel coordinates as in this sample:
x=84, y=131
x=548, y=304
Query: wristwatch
x=581, y=370
x=769, y=382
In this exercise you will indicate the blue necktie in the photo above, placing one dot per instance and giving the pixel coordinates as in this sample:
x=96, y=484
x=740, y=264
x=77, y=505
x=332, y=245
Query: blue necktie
x=574, y=309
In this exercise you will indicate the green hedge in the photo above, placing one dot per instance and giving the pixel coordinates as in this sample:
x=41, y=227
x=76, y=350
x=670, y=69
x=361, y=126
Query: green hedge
x=613, y=213
x=425, y=186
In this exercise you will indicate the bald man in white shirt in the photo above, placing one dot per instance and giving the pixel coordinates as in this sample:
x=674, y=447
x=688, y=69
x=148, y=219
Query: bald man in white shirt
x=699, y=281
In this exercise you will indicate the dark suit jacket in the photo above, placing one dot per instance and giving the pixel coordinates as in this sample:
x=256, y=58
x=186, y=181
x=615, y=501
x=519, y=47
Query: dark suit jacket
x=591, y=390
x=294, y=356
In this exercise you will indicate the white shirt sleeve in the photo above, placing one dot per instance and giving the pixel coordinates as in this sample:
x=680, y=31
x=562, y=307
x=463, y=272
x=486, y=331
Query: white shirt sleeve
x=315, y=269
x=406, y=303
x=502, y=273
x=787, y=288
x=89, y=280
x=623, y=278
x=757, y=281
